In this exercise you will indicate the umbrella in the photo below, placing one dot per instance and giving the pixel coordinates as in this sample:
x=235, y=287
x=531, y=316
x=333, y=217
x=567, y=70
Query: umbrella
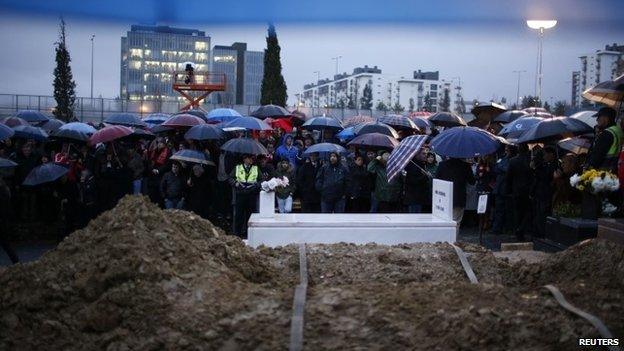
x=516, y=128
x=403, y=154
x=70, y=135
x=6, y=163
x=272, y=111
x=139, y=134
x=52, y=125
x=14, y=122
x=47, y=172
x=447, y=119
x=182, y=121
x=80, y=127
x=351, y=121
x=509, y=116
x=533, y=110
x=322, y=123
x=249, y=123
x=109, y=133
x=485, y=112
x=375, y=140
x=346, y=134
x=191, y=156
x=283, y=123
x=154, y=119
x=194, y=112
x=398, y=122
x=420, y=114
x=204, y=132
x=424, y=124
x=5, y=132
x=30, y=132
x=188, y=63
x=220, y=115
x=160, y=129
x=32, y=116
x=465, y=142
x=577, y=145
x=554, y=129
x=588, y=117
x=325, y=147
x=299, y=114
x=125, y=119
x=246, y=146
x=376, y=127
x=610, y=93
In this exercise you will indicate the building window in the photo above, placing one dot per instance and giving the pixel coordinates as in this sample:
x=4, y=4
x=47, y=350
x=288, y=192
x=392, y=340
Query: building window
x=224, y=58
x=134, y=64
x=201, y=45
x=433, y=87
x=136, y=53
x=201, y=57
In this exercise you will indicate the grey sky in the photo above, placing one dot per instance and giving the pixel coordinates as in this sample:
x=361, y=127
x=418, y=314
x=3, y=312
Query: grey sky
x=484, y=57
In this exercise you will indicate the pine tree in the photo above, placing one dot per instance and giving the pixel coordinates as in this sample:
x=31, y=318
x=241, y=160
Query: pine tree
x=446, y=101
x=428, y=103
x=64, y=85
x=560, y=107
x=273, y=85
x=547, y=106
x=411, y=105
x=397, y=108
x=381, y=107
x=351, y=102
x=366, y=102
x=530, y=101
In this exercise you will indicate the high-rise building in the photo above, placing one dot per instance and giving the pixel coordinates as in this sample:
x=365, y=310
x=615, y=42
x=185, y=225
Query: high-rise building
x=422, y=91
x=576, y=89
x=151, y=54
x=243, y=69
x=597, y=67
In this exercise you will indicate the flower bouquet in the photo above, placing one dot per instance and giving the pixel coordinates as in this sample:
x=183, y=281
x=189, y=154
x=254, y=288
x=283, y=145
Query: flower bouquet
x=595, y=181
x=273, y=183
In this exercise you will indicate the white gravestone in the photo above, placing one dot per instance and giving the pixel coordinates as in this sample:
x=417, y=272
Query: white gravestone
x=442, y=199
x=267, y=204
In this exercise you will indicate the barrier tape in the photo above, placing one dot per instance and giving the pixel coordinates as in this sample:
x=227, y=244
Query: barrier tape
x=296, y=322
x=464, y=262
x=595, y=321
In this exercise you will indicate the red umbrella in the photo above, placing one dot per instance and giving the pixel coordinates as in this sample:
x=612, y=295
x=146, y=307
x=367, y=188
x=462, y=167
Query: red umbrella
x=283, y=123
x=183, y=120
x=109, y=133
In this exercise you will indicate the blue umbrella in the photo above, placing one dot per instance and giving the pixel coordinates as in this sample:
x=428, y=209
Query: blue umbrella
x=465, y=142
x=6, y=163
x=154, y=119
x=245, y=146
x=5, y=132
x=30, y=132
x=249, y=123
x=125, y=119
x=325, y=147
x=46, y=173
x=69, y=135
x=515, y=129
x=321, y=123
x=191, y=156
x=52, y=125
x=220, y=115
x=423, y=124
x=554, y=129
x=80, y=127
x=204, y=132
x=32, y=116
x=346, y=134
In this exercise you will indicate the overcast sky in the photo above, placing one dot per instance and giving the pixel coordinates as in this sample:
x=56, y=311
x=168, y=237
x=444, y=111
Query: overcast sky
x=483, y=56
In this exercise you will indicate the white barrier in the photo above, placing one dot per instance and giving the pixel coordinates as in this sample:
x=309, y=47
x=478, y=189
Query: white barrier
x=271, y=229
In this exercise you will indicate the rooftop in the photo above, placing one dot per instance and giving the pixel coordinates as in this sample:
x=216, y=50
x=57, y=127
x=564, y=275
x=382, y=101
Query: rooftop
x=167, y=30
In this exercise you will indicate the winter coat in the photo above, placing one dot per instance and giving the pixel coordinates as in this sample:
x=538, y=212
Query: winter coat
x=500, y=171
x=136, y=166
x=384, y=191
x=460, y=173
x=417, y=185
x=519, y=176
x=172, y=186
x=198, y=195
x=285, y=192
x=287, y=153
x=331, y=182
x=359, y=185
x=306, y=181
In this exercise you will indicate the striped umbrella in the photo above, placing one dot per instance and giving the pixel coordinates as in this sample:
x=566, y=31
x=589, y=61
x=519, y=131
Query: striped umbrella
x=351, y=121
x=399, y=122
x=403, y=154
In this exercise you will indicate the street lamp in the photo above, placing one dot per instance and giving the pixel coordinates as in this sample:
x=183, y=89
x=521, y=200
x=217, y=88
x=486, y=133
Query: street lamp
x=540, y=25
x=518, y=87
x=92, y=37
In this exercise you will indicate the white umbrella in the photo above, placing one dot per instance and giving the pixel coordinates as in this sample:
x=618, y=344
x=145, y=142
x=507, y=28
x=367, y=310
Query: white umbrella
x=586, y=116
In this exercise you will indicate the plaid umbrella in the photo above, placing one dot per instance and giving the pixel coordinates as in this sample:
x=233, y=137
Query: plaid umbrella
x=351, y=121
x=399, y=122
x=610, y=93
x=403, y=154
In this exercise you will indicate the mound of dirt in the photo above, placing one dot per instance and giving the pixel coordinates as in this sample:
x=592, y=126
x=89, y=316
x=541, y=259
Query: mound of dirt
x=141, y=278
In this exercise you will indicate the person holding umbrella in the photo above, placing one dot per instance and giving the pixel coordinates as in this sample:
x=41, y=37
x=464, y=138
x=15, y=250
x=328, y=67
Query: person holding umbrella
x=606, y=149
x=331, y=182
x=245, y=181
x=417, y=191
x=306, y=183
x=519, y=180
x=459, y=172
x=387, y=194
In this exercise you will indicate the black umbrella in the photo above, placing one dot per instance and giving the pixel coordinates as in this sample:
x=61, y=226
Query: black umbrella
x=194, y=112
x=244, y=146
x=139, y=134
x=376, y=127
x=399, y=122
x=52, y=125
x=46, y=173
x=30, y=132
x=69, y=135
x=510, y=116
x=6, y=163
x=423, y=124
x=272, y=111
x=322, y=123
x=324, y=148
x=447, y=119
x=204, y=132
x=125, y=119
x=554, y=129
x=375, y=140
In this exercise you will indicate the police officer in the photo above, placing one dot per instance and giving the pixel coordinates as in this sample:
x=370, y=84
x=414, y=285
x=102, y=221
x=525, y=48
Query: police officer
x=244, y=179
x=606, y=149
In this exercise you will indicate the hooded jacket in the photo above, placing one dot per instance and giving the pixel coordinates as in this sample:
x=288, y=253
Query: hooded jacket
x=331, y=181
x=285, y=152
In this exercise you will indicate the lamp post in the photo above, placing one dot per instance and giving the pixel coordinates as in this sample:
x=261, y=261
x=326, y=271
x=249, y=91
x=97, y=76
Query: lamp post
x=541, y=26
x=518, y=87
x=92, y=37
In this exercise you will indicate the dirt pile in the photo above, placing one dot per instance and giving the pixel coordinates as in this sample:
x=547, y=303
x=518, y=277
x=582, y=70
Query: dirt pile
x=138, y=277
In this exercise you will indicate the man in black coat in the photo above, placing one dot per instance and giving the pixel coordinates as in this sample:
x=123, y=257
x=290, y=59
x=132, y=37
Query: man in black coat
x=331, y=182
x=359, y=187
x=460, y=173
x=306, y=180
x=545, y=167
x=417, y=195
x=519, y=180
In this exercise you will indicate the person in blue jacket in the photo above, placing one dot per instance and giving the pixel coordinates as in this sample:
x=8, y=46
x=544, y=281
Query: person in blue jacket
x=288, y=151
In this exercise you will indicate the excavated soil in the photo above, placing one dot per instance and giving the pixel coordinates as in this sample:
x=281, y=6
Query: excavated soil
x=141, y=278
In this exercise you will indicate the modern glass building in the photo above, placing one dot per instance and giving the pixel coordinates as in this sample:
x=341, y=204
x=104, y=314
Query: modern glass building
x=151, y=54
x=243, y=69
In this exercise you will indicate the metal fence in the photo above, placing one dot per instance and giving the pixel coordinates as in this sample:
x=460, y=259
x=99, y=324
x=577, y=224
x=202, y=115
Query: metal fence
x=97, y=109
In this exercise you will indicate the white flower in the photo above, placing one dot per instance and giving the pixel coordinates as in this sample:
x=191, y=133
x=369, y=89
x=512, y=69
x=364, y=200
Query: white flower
x=574, y=180
x=265, y=186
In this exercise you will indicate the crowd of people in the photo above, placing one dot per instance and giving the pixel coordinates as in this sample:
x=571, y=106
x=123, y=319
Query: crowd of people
x=524, y=186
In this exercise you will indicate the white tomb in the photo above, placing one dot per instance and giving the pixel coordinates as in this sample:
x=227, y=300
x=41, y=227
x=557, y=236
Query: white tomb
x=274, y=229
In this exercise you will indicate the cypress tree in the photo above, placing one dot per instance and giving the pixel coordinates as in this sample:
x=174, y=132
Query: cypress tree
x=273, y=85
x=64, y=85
x=366, y=102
